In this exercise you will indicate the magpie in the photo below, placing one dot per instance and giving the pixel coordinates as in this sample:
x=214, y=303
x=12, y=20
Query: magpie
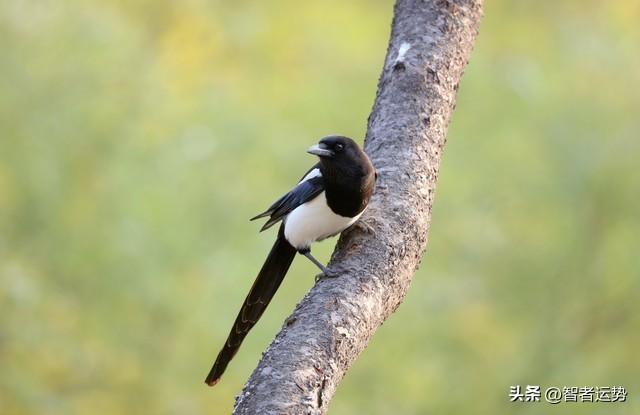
x=328, y=199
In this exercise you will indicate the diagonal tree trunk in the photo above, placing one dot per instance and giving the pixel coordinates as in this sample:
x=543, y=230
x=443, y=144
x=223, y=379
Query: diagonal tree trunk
x=431, y=41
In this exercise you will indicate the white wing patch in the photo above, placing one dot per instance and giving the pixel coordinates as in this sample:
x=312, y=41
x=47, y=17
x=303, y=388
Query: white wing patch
x=313, y=173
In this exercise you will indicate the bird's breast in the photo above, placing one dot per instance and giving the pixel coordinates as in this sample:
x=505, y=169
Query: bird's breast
x=314, y=221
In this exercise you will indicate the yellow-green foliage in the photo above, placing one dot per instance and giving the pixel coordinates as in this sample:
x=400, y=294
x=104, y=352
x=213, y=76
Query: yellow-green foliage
x=137, y=138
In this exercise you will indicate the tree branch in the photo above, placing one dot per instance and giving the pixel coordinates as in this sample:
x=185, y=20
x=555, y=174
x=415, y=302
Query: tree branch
x=430, y=44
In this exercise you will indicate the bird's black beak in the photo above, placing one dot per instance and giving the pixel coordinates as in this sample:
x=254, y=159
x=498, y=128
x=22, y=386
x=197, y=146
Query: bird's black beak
x=320, y=150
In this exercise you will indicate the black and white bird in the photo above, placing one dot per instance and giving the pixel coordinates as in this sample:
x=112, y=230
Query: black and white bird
x=331, y=196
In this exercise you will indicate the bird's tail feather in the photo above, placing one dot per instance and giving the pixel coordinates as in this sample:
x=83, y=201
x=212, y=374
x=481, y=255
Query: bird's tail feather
x=263, y=289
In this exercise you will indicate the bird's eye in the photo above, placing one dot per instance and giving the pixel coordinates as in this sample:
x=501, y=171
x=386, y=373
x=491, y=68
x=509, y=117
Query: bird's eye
x=339, y=147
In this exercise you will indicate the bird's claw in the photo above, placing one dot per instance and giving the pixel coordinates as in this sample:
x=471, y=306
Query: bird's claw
x=365, y=227
x=326, y=274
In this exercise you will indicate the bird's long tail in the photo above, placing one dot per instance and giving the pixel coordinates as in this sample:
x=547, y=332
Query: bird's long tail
x=263, y=289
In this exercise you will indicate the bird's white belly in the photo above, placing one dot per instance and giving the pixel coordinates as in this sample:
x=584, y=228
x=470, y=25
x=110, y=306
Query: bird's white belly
x=314, y=221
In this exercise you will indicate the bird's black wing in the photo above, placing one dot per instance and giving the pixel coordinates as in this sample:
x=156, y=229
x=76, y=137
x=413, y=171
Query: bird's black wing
x=302, y=193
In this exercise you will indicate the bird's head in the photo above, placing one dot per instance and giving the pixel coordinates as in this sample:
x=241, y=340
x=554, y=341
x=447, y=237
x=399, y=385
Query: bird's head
x=336, y=148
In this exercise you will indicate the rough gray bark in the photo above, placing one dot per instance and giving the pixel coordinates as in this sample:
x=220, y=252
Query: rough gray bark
x=431, y=41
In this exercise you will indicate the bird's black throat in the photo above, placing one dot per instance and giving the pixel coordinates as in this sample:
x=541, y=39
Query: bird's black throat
x=348, y=186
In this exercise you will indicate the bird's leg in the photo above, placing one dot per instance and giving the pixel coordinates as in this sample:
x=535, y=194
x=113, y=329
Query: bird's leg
x=316, y=262
x=325, y=272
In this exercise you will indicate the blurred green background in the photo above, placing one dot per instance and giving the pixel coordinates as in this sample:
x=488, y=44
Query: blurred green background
x=125, y=246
